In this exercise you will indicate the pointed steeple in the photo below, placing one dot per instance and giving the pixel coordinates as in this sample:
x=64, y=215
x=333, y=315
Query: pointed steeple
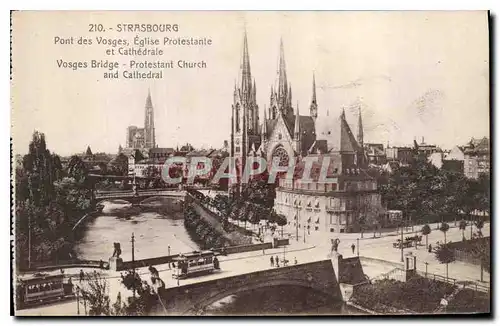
x=254, y=89
x=290, y=95
x=360, y=128
x=149, y=103
x=314, y=90
x=313, y=109
x=245, y=73
x=264, y=125
x=282, y=81
x=296, y=131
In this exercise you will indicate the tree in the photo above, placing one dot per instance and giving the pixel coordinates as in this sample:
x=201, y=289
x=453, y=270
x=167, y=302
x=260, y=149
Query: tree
x=120, y=164
x=426, y=230
x=95, y=293
x=362, y=223
x=88, y=152
x=444, y=228
x=77, y=169
x=479, y=223
x=483, y=254
x=445, y=256
x=462, y=225
x=146, y=297
x=281, y=221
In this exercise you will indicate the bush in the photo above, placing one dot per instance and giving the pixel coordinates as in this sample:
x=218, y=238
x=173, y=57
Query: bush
x=418, y=294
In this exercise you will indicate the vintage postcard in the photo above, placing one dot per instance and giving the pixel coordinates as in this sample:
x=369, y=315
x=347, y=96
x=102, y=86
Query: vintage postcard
x=250, y=163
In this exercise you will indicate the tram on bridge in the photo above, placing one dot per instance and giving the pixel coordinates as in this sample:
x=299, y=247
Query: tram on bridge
x=42, y=288
x=195, y=263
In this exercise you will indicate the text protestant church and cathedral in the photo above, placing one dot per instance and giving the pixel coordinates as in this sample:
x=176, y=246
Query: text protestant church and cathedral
x=336, y=206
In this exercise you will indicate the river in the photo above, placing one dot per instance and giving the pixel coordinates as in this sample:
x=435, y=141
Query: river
x=157, y=226
x=154, y=230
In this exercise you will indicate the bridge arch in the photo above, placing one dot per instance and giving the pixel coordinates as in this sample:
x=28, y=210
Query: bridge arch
x=204, y=302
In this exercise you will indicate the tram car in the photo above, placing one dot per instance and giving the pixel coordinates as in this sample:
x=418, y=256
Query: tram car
x=42, y=288
x=195, y=263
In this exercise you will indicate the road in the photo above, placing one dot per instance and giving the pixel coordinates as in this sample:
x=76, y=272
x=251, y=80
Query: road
x=313, y=249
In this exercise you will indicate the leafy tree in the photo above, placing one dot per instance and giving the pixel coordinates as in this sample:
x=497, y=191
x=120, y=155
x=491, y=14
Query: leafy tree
x=479, y=223
x=462, y=225
x=120, y=164
x=426, y=230
x=444, y=228
x=483, y=253
x=362, y=223
x=445, y=256
x=77, y=169
x=281, y=221
x=95, y=292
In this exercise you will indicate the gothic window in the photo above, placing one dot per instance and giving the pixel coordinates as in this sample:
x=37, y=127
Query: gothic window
x=281, y=153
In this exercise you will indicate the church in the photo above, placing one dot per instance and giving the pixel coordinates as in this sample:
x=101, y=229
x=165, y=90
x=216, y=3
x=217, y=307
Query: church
x=336, y=206
x=143, y=138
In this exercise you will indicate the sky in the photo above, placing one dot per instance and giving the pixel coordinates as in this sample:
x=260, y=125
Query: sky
x=414, y=74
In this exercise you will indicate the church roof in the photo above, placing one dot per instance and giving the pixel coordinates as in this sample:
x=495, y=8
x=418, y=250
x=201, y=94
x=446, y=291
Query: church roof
x=320, y=146
x=338, y=134
x=307, y=130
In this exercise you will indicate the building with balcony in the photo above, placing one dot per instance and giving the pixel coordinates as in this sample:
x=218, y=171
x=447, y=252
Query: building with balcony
x=403, y=155
x=477, y=158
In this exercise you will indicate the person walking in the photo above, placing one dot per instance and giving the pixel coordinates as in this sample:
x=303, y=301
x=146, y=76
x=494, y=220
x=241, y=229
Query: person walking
x=272, y=261
x=276, y=260
x=353, y=247
x=295, y=260
x=82, y=275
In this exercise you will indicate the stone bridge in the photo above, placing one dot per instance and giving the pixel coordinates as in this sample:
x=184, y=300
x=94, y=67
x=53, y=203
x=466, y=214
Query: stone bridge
x=138, y=197
x=192, y=298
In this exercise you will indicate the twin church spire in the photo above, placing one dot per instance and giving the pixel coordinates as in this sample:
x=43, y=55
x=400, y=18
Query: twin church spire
x=246, y=124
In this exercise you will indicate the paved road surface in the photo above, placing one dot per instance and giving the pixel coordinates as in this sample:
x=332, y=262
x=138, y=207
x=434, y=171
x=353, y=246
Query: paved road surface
x=314, y=248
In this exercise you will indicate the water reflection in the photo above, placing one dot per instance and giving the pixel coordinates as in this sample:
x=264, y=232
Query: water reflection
x=156, y=224
x=280, y=300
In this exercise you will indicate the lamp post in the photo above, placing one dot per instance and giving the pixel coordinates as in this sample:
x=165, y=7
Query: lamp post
x=297, y=222
x=304, y=233
x=29, y=240
x=401, y=244
x=77, y=300
x=426, y=264
x=357, y=246
x=133, y=263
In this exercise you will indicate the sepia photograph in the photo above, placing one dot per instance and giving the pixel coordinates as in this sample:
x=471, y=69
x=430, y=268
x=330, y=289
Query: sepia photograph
x=250, y=163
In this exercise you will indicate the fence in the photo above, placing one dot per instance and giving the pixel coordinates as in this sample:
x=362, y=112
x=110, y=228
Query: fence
x=399, y=275
x=66, y=264
x=465, y=284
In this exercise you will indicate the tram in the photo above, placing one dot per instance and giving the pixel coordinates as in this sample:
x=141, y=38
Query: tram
x=195, y=263
x=42, y=288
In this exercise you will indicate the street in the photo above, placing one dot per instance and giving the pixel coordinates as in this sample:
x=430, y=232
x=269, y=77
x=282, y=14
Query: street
x=315, y=248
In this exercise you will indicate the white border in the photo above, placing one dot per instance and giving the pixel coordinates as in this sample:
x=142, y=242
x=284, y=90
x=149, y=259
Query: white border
x=192, y=5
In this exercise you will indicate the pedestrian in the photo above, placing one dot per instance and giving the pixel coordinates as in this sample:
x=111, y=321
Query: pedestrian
x=82, y=275
x=295, y=260
x=277, y=263
x=272, y=261
x=276, y=259
x=430, y=247
x=153, y=271
x=353, y=247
